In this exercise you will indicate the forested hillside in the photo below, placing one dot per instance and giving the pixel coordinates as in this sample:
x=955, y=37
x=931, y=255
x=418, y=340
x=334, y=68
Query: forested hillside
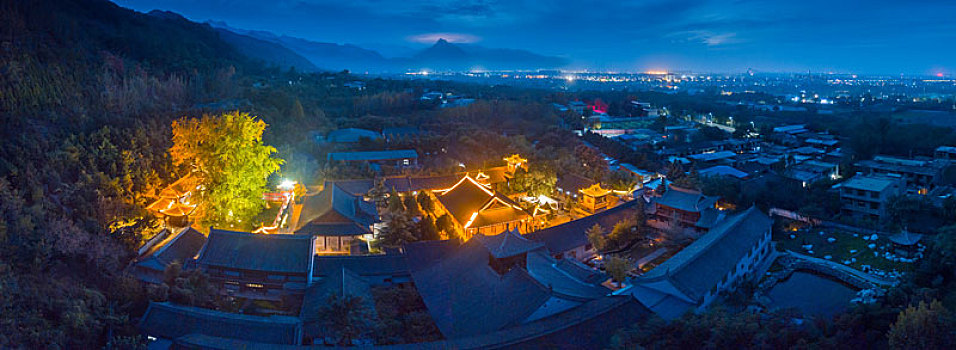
x=88, y=91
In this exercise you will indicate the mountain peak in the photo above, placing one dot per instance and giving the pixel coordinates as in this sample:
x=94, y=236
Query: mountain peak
x=169, y=15
x=442, y=51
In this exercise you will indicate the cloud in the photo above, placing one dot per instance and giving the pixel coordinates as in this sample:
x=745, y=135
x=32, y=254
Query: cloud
x=706, y=37
x=720, y=39
x=429, y=38
x=866, y=35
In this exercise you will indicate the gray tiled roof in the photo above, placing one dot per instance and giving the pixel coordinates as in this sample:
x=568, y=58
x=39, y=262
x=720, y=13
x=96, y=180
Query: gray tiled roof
x=587, y=326
x=564, y=280
x=356, y=187
x=343, y=283
x=420, y=255
x=465, y=296
x=699, y=267
x=579, y=271
x=507, y=244
x=249, y=251
x=869, y=183
x=686, y=200
x=181, y=246
x=709, y=217
x=169, y=321
x=723, y=170
x=362, y=265
x=336, y=212
x=706, y=157
x=410, y=183
x=573, y=234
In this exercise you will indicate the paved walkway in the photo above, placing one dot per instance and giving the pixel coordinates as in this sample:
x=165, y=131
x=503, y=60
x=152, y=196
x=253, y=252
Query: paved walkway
x=880, y=281
x=650, y=257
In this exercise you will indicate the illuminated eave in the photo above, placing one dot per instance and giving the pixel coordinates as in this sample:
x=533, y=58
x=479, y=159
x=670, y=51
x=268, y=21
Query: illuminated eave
x=595, y=191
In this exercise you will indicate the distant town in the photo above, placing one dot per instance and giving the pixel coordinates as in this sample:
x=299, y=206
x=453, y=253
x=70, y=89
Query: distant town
x=168, y=182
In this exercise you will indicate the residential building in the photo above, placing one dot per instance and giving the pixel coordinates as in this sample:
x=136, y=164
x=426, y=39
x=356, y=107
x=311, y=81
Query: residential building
x=711, y=159
x=813, y=171
x=791, y=129
x=827, y=144
x=868, y=196
x=717, y=261
x=724, y=171
x=919, y=174
x=947, y=153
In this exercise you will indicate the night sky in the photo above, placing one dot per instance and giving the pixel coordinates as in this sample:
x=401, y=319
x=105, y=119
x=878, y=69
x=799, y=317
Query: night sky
x=876, y=36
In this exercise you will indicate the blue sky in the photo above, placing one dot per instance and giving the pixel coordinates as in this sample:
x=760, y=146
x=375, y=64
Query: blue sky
x=891, y=37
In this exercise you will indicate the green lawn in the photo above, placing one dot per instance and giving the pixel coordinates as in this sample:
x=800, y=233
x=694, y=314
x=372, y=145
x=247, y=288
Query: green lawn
x=839, y=250
x=639, y=251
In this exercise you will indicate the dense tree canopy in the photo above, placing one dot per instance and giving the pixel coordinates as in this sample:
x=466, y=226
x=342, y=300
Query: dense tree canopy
x=227, y=153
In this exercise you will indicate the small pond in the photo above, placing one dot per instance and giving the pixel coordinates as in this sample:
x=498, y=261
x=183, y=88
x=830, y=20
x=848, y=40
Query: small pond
x=812, y=294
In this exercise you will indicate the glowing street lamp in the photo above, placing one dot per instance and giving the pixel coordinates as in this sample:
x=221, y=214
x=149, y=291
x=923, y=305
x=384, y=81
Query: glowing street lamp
x=287, y=184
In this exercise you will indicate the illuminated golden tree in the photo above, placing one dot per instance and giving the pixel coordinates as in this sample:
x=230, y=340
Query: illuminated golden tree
x=228, y=154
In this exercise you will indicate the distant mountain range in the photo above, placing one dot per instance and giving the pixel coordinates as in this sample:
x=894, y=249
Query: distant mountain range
x=256, y=49
x=442, y=56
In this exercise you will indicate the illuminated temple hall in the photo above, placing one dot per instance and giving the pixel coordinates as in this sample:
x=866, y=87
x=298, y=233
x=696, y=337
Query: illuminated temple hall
x=478, y=209
x=595, y=198
x=177, y=201
x=340, y=221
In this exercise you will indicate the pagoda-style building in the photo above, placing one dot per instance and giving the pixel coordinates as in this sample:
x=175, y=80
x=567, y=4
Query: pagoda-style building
x=595, y=198
x=178, y=201
x=477, y=208
x=515, y=162
x=499, y=177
